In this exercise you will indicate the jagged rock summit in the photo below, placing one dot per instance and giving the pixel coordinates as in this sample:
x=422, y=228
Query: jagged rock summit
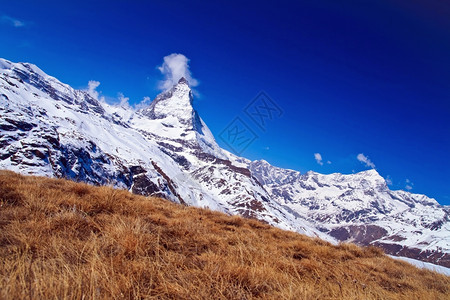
x=174, y=106
x=176, y=119
x=48, y=128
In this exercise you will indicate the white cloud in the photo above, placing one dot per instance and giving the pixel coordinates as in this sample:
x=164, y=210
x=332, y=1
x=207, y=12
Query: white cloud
x=318, y=158
x=328, y=162
x=388, y=180
x=143, y=104
x=365, y=160
x=92, y=89
x=173, y=68
x=93, y=92
x=408, y=184
x=12, y=21
x=123, y=101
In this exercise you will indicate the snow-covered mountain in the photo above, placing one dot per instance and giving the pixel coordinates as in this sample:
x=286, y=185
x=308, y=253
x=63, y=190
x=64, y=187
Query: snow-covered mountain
x=48, y=128
x=361, y=208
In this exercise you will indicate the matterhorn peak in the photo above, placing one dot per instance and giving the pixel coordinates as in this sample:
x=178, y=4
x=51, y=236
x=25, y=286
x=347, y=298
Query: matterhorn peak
x=183, y=80
x=174, y=110
x=174, y=104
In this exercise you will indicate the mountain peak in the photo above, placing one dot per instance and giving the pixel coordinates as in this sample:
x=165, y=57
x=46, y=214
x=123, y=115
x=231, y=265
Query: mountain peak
x=22, y=67
x=174, y=110
x=173, y=105
x=183, y=80
x=369, y=173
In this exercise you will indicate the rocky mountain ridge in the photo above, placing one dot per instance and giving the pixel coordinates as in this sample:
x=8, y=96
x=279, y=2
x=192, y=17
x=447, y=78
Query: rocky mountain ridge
x=48, y=128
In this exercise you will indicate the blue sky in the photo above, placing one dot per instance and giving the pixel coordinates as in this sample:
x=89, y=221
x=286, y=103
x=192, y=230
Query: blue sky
x=351, y=77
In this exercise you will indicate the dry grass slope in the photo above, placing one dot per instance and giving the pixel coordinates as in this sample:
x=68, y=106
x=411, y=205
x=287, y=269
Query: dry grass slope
x=66, y=240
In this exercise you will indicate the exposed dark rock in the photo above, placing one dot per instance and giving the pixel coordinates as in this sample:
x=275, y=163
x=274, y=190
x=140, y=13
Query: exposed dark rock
x=340, y=233
x=170, y=183
x=361, y=234
x=21, y=125
x=145, y=187
x=435, y=257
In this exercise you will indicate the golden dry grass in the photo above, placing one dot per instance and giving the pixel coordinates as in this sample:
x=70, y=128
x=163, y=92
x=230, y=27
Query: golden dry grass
x=66, y=240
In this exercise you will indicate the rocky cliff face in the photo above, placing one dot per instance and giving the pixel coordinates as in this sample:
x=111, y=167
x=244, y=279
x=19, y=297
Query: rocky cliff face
x=48, y=128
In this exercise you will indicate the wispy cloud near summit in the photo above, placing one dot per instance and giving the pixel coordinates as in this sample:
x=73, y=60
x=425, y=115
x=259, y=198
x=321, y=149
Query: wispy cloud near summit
x=365, y=160
x=92, y=89
x=173, y=68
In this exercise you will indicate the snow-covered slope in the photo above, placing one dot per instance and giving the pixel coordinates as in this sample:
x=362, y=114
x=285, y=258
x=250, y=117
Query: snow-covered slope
x=424, y=265
x=48, y=128
x=361, y=208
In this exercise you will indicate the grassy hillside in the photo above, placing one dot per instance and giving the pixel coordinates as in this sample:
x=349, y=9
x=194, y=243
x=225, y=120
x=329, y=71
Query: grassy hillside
x=60, y=239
